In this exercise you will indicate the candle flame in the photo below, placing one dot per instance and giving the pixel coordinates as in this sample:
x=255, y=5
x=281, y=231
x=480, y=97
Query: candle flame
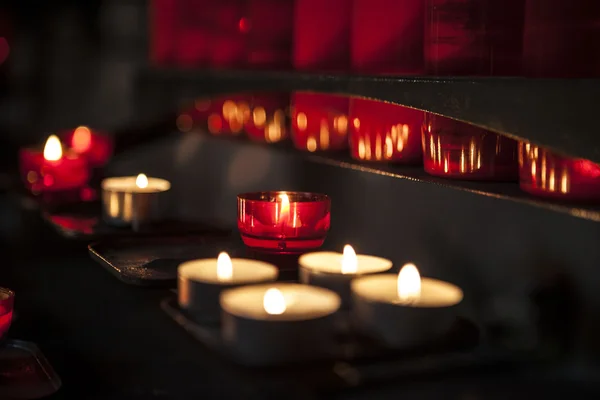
x=224, y=267
x=409, y=284
x=274, y=302
x=285, y=207
x=82, y=139
x=349, y=260
x=53, y=149
x=141, y=181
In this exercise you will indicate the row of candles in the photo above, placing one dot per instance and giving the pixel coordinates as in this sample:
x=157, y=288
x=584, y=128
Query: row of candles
x=397, y=37
x=265, y=322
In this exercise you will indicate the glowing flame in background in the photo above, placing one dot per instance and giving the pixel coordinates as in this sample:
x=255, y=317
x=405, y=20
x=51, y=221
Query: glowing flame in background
x=274, y=302
x=53, y=149
x=224, y=267
x=349, y=260
x=141, y=181
x=409, y=284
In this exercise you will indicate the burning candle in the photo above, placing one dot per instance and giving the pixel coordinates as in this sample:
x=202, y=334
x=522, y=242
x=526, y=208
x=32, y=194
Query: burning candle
x=404, y=310
x=336, y=271
x=7, y=298
x=278, y=323
x=200, y=282
x=283, y=222
x=132, y=200
x=52, y=169
x=96, y=148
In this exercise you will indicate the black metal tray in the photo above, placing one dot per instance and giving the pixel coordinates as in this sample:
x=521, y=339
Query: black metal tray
x=25, y=373
x=83, y=221
x=359, y=360
x=153, y=261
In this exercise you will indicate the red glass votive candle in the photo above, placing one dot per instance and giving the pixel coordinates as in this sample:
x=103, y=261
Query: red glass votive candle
x=7, y=298
x=52, y=170
x=267, y=118
x=546, y=174
x=224, y=115
x=283, y=222
x=95, y=147
x=319, y=121
x=466, y=152
x=387, y=38
x=385, y=132
x=472, y=38
x=321, y=43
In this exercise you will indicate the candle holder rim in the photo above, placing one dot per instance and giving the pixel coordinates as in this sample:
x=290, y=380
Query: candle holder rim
x=359, y=279
x=9, y=292
x=389, y=264
x=165, y=182
x=256, y=196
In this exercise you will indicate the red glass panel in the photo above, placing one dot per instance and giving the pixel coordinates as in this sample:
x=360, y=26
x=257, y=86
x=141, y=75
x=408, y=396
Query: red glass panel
x=387, y=38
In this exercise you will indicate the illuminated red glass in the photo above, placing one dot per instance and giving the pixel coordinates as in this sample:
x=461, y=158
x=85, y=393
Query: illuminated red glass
x=268, y=223
x=7, y=298
x=319, y=122
x=385, y=132
x=466, y=152
x=474, y=38
x=266, y=119
x=387, y=38
x=41, y=175
x=229, y=27
x=321, y=43
x=545, y=174
x=268, y=28
x=95, y=147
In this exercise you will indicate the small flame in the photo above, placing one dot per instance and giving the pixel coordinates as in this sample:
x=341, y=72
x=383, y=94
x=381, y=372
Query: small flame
x=224, y=267
x=274, y=302
x=53, y=149
x=409, y=284
x=284, y=212
x=349, y=260
x=141, y=181
x=82, y=139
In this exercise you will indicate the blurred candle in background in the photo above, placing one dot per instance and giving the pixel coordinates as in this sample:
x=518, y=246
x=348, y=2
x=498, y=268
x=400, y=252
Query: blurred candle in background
x=472, y=38
x=92, y=145
x=561, y=40
x=387, y=38
x=321, y=43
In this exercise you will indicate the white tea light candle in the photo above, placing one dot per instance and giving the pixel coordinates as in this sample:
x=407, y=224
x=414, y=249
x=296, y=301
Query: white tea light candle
x=278, y=323
x=335, y=271
x=200, y=282
x=132, y=200
x=404, y=310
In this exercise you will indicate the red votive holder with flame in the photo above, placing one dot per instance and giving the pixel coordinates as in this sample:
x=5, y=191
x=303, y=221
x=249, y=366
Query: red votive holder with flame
x=387, y=38
x=462, y=151
x=52, y=170
x=471, y=38
x=321, y=43
x=95, y=147
x=7, y=298
x=385, y=132
x=546, y=174
x=283, y=222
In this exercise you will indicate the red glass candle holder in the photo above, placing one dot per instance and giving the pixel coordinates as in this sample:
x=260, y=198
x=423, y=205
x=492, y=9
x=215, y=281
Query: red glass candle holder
x=92, y=145
x=229, y=25
x=225, y=115
x=283, y=222
x=7, y=298
x=319, y=122
x=267, y=120
x=385, y=132
x=62, y=171
x=456, y=150
x=546, y=174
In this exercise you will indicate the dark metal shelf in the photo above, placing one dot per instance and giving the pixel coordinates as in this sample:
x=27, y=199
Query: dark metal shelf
x=555, y=113
x=500, y=190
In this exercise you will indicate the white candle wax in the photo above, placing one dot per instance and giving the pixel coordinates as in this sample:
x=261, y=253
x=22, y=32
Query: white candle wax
x=200, y=282
x=400, y=321
x=132, y=200
x=335, y=271
x=278, y=323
